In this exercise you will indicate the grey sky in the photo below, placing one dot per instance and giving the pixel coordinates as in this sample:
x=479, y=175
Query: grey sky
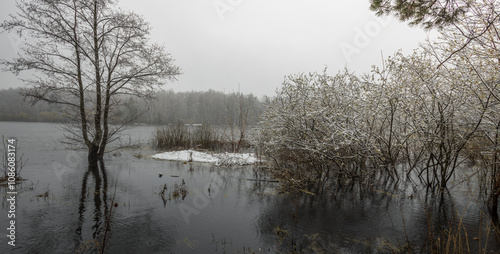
x=254, y=44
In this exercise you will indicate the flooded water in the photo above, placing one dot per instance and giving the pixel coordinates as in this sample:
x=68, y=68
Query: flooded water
x=64, y=207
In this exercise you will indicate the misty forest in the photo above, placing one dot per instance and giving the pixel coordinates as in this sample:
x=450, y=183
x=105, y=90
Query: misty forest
x=402, y=159
x=168, y=107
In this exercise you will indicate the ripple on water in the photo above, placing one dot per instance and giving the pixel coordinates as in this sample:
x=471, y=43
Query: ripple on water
x=242, y=214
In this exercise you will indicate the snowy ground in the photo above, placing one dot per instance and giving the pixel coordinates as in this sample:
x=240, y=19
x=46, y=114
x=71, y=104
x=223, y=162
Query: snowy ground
x=217, y=159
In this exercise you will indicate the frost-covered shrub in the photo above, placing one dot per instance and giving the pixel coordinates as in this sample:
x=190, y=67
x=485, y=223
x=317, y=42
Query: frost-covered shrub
x=311, y=125
x=409, y=112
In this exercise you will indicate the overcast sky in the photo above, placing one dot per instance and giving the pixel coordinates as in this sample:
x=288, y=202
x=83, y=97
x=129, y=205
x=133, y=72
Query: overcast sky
x=254, y=44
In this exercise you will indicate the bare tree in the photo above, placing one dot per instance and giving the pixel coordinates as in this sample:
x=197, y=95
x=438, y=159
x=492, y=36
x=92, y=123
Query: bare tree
x=471, y=45
x=85, y=53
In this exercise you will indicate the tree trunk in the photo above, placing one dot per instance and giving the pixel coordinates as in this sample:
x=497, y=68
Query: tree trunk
x=94, y=153
x=494, y=205
x=93, y=156
x=493, y=200
x=495, y=181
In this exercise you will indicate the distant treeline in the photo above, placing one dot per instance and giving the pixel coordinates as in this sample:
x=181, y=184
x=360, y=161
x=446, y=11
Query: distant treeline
x=13, y=108
x=168, y=107
x=198, y=107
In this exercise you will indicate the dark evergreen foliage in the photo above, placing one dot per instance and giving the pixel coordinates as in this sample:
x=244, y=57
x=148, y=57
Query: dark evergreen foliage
x=426, y=13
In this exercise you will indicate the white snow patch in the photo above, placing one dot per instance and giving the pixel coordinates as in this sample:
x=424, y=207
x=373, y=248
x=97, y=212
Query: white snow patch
x=218, y=159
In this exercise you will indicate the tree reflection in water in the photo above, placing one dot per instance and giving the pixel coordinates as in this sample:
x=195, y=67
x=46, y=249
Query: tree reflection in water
x=101, y=213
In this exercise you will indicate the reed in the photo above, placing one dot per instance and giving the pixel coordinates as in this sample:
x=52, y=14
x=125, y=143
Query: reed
x=203, y=137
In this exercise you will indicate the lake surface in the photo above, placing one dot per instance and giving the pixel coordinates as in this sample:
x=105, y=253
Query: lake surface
x=225, y=210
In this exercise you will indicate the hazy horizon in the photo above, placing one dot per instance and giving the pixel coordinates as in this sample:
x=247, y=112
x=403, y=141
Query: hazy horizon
x=251, y=46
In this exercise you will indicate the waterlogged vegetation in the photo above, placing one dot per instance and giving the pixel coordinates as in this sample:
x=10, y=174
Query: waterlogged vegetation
x=181, y=136
x=429, y=120
x=177, y=192
x=11, y=164
x=404, y=159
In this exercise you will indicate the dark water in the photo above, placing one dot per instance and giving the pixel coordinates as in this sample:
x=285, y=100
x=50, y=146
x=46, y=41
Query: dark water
x=236, y=216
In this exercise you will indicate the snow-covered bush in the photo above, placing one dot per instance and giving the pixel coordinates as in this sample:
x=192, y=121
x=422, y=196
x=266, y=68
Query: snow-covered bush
x=311, y=125
x=412, y=112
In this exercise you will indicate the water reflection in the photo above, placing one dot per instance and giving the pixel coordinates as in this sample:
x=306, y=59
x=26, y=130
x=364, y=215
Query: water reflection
x=373, y=219
x=101, y=212
x=241, y=216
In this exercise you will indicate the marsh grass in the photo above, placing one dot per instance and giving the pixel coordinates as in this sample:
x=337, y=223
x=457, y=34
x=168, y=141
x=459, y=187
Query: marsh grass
x=200, y=137
x=19, y=164
x=89, y=246
x=456, y=237
x=179, y=191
